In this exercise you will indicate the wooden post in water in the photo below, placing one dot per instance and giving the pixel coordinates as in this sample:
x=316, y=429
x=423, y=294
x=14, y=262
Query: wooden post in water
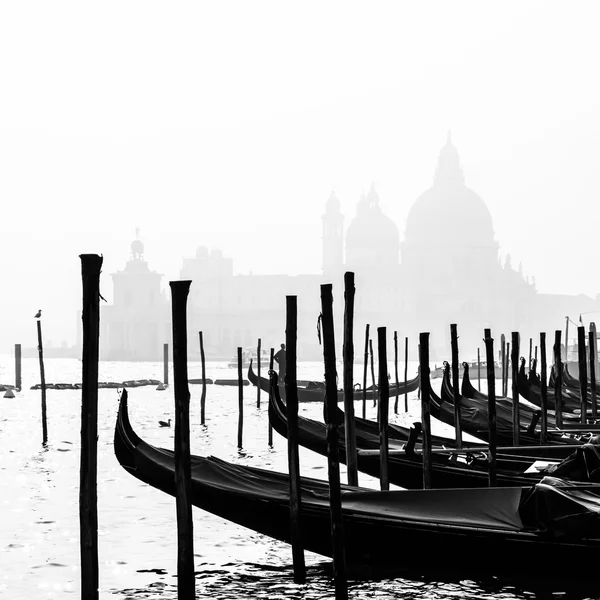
x=375, y=394
x=514, y=361
x=455, y=388
x=348, y=357
x=364, y=398
x=595, y=342
x=42, y=383
x=558, y=382
x=503, y=358
x=240, y=397
x=530, y=349
x=203, y=396
x=508, y=364
x=567, y=340
x=186, y=581
x=582, y=372
x=543, y=390
x=291, y=397
x=405, y=374
x=88, y=473
x=396, y=372
x=592, y=344
x=166, y=364
x=18, y=381
x=425, y=407
x=384, y=396
x=491, y=381
x=258, y=373
x=271, y=361
x=333, y=465
x=478, y=370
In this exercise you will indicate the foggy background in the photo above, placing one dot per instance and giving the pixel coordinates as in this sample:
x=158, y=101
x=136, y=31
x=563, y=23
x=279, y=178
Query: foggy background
x=228, y=125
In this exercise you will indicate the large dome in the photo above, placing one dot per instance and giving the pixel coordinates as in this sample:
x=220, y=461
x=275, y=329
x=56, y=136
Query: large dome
x=449, y=213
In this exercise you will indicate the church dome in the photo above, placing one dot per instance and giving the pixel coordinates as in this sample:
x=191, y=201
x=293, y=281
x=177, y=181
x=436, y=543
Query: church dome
x=449, y=212
x=372, y=237
x=137, y=248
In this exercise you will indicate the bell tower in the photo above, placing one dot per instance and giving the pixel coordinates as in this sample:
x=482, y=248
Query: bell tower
x=333, y=237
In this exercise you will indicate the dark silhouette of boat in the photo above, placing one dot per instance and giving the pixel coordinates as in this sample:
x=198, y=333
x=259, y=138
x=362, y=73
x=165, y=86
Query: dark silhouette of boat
x=495, y=530
x=314, y=391
x=405, y=466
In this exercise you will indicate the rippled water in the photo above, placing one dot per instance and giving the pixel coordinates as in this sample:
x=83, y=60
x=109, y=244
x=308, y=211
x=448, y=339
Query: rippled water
x=39, y=487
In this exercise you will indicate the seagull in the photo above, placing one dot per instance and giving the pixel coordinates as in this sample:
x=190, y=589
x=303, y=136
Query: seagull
x=164, y=423
x=38, y=314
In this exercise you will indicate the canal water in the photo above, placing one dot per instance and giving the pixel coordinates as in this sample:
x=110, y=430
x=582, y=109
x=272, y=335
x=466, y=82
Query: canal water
x=39, y=487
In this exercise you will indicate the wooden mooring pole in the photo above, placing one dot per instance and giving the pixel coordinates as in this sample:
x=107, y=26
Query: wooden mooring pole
x=366, y=364
x=383, y=408
x=543, y=390
x=373, y=373
x=530, y=352
x=567, y=340
x=18, y=381
x=183, y=480
x=240, y=397
x=291, y=396
x=405, y=374
x=581, y=355
x=491, y=381
x=258, y=372
x=425, y=407
x=455, y=388
x=478, y=370
x=271, y=361
x=558, y=381
x=514, y=362
x=42, y=383
x=88, y=473
x=503, y=358
x=166, y=364
x=592, y=345
x=335, y=497
x=203, y=396
x=348, y=358
x=396, y=371
x=508, y=364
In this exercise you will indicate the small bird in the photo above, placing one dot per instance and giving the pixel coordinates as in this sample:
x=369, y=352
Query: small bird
x=165, y=423
x=38, y=314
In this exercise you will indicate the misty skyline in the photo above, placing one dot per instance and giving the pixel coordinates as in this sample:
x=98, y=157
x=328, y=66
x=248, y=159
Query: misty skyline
x=229, y=125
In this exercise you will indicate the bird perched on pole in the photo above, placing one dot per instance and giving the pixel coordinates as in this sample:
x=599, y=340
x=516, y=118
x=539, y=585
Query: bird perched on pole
x=38, y=314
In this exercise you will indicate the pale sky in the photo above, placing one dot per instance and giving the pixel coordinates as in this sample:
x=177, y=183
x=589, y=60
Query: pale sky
x=228, y=124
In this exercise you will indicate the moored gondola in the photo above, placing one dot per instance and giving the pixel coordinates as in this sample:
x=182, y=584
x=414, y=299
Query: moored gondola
x=554, y=521
x=315, y=391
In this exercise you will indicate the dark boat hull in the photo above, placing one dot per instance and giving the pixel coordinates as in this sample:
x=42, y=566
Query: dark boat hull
x=318, y=393
x=480, y=528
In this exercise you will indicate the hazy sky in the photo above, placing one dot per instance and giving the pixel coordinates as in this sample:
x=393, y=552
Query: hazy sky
x=228, y=124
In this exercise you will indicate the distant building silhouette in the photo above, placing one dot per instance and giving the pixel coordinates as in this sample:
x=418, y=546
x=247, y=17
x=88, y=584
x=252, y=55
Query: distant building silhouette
x=445, y=270
x=138, y=322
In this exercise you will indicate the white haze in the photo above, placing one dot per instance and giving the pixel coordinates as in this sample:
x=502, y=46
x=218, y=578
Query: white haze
x=227, y=124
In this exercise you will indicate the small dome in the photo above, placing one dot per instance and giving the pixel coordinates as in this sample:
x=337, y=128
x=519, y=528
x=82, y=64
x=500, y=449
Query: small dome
x=137, y=248
x=201, y=252
x=372, y=237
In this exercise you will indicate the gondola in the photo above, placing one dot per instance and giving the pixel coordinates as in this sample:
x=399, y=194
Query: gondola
x=315, y=391
x=530, y=391
x=475, y=421
x=554, y=521
x=405, y=466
